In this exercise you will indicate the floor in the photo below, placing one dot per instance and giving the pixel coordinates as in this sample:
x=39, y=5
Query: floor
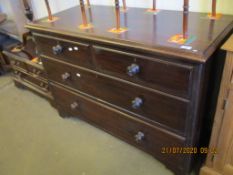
x=34, y=140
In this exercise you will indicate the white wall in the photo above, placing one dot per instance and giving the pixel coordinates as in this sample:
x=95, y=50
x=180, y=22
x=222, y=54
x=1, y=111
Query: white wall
x=226, y=6
x=39, y=8
x=6, y=8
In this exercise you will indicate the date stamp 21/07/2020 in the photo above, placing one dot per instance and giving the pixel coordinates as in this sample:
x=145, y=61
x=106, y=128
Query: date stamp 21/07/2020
x=188, y=150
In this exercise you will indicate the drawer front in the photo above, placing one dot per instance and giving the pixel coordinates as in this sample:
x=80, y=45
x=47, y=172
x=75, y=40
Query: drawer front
x=42, y=85
x=18, y=63
x=164, y=76
x=72, y=52
x=135, y=132
x=149, y=105
x=37, y=72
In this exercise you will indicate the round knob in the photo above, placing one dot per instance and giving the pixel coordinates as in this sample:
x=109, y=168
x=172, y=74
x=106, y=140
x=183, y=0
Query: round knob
x=41, y=84
x=44, y=86
x=38, y=72
x=57, y=49
x=34, y=70
x=19, y=74
x=139, y=136
x=13, y=62
x=65, y=76
x=74, y=106
x=137, y=103
x=133, y=69
x=17, y=63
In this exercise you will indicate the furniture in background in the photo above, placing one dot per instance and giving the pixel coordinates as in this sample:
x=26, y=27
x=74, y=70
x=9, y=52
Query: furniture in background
x=222, y=134
x=28, y=71
x=5, y=42
x=8, y=38
x=137, y=85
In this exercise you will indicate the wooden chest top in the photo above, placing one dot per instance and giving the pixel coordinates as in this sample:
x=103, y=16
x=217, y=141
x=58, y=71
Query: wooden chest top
x=146, y=32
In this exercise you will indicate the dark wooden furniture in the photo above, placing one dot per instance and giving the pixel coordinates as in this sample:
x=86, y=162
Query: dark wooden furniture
x=5, y=42
x=27, y=73
x=136, y=85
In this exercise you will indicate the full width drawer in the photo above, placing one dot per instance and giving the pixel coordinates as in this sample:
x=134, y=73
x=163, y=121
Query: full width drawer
x=161, y=75
x=69, y=51
x=144, y=103
x=136, y=132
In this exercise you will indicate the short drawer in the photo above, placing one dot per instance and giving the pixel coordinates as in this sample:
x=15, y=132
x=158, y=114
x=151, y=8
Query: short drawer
x=42, y=85
x=69, y=51
x=136, y=132
x=146, y=104
x=161, y=75
x=18, y=63
x=36, y=71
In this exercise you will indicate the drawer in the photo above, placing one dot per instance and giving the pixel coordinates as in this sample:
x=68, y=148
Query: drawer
x=146, y=104
x=69, y=51
x=161, y=75
x=42, y=85
x=36, y=71
x=18, y=63
x=136, y=132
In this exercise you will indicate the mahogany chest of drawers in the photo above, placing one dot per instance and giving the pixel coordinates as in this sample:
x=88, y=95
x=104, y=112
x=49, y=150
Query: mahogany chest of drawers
x=137, y=85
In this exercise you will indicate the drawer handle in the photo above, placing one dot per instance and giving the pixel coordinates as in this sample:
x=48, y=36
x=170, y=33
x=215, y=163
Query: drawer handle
x=35, y=71
x=74, y=106
x=41, y=84
x=46, y=87
x=133, y=69
x=57, y=49
x=137, y=103
x=38, y=72
x=139, y=136
x=65, y=76
x=18, y=73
